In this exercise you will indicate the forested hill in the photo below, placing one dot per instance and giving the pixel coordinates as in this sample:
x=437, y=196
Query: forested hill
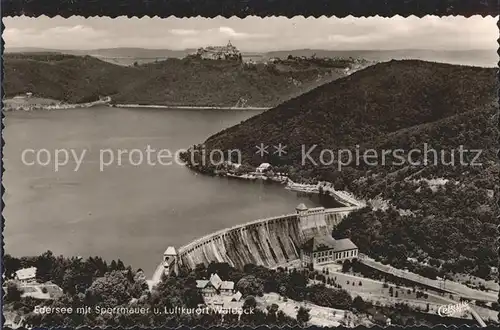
x=396, y=105
x=372, y=102
x=188, y=81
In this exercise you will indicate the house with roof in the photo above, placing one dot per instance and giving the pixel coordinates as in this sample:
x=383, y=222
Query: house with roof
x=26, y=275
x=13, y=320
x=236, y=297
x=215, y=286
x=263, y=167
x=321, y=250
x=45, y=291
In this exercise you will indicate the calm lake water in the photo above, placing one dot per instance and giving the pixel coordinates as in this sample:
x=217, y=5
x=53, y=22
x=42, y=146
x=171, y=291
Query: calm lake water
x=129, y=212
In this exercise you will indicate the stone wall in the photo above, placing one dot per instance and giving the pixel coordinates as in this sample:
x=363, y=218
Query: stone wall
x=267, y=242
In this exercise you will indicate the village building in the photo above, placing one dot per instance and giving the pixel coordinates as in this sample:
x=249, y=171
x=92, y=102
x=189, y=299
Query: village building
x=13, y=320
x=236, y=297
x=26, y=275
x=323, y=250
x=263, y=167
x=215, y=286
x=45, y=291
x=228, y=52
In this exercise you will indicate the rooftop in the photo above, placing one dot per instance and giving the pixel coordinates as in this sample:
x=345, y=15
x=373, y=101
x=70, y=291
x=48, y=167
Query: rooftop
x=301, y=207
x=237, y=296
x=321, y=243
x=170, y=251
x=227, y=285
x=200, y=284
x=26, y=273
x=216, y=282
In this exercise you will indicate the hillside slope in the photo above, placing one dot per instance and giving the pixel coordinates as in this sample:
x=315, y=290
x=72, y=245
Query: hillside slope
x=398, y=105
x=377, y=100
x=187, y=81
x=62, y=77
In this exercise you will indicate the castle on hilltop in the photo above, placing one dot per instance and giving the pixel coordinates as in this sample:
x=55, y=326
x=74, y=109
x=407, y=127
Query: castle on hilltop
x=228, y=52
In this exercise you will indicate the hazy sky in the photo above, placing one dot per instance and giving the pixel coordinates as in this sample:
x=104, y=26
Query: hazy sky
x=254, y=33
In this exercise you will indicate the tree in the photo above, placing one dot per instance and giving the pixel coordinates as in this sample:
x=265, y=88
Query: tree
x=272, y=311
x=13, y=293
x=111, y=290
x=359, y=303
x=44, y=265
x=120, y=265
x=303, y=316
x=346, y=265
x=328, y=297
x=11, y=265
x=200, y=271
x=249, y=303
x=250, y=285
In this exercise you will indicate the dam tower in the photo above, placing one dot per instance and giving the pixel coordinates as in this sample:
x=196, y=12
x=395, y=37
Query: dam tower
x=312, y=222
x=170, y=261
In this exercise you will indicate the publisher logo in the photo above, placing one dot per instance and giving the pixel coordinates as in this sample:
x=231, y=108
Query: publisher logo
x=453, y=310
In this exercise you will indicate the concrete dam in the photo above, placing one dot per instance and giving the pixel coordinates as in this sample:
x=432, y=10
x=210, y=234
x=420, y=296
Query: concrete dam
x=268, y=242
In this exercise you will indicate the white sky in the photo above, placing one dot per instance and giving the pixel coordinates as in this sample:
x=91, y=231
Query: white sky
x=254, y=33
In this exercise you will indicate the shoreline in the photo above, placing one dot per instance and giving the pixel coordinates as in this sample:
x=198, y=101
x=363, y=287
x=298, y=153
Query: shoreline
x=187, y=107
x=57, y=105
x=343, y=197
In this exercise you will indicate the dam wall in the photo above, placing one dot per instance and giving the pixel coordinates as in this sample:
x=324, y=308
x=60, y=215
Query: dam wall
x=268, y=242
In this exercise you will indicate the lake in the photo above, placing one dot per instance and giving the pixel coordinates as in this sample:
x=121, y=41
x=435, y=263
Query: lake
x=124, y=211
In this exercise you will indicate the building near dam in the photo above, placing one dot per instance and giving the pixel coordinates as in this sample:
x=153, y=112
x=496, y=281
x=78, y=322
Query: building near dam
x=170, y=261
x=324, y=250
x=215, y=286
x=269, y=242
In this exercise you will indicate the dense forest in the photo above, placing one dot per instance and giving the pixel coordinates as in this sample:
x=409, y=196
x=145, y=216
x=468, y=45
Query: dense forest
x=438, y=109
x=93, y=282
x=188, y=81
x=96, y=285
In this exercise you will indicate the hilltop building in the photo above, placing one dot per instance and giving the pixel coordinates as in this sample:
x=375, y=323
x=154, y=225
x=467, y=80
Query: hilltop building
x=228, y=52
x=25, y=279
x=323, y=250
x=26, y=275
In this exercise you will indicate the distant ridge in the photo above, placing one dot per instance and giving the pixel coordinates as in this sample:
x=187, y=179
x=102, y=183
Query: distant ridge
x=380, y=99
x=183, y=82
x=474, y=57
